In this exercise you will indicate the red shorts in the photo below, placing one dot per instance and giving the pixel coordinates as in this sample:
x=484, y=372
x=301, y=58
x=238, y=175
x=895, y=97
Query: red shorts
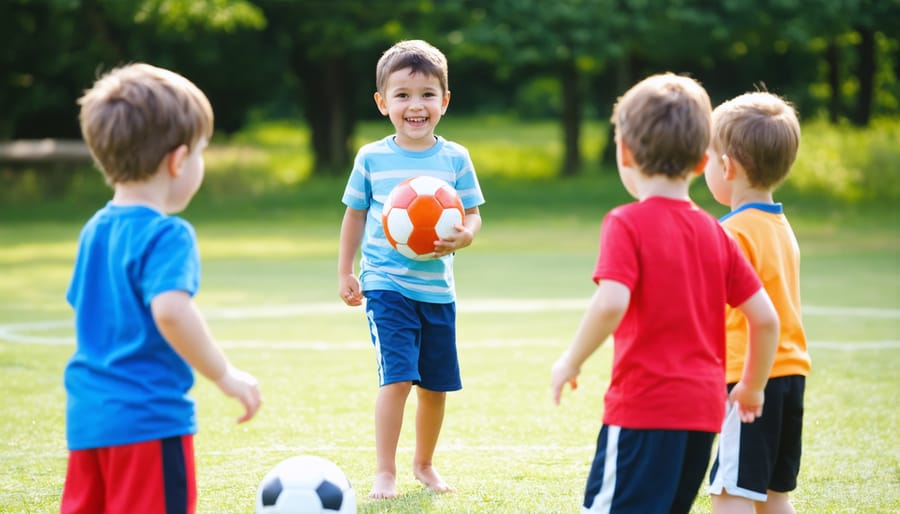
x=154, y=476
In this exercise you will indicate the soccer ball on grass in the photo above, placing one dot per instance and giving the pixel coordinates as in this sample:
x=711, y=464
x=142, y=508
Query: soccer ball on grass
x=418, y=212
x=305, y=484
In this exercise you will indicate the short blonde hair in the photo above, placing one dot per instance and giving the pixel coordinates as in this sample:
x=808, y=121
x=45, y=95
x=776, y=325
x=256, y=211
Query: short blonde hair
x=761, y=131
x=418, y=55
x=135, y=114
x=665, y=121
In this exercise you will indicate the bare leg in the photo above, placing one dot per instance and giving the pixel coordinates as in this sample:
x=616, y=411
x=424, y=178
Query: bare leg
x=727, y=504
x=388, y=421
x=429, y=418
x=776, y=503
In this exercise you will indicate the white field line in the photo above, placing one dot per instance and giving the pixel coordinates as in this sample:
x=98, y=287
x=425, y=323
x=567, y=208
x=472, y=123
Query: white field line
x=33, y=332
x=456, y=447
x=14, y=453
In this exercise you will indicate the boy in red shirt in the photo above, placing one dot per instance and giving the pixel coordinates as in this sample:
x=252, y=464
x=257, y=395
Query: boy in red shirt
x=665, y=273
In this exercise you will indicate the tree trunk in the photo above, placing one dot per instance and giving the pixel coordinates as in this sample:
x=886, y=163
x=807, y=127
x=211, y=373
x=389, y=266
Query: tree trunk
x=832, y=58
x=866, y=75
x=623, y=82
x=328, y=112
x=571, y=119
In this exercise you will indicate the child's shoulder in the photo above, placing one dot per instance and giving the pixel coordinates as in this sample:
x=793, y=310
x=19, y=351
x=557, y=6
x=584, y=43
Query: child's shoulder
x=452, y=147
x=378, y=146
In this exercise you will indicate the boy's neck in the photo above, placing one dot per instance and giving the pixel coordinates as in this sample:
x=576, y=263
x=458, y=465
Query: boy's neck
x=665, y=187
x=138, y=193
x=741, y=197
x=426, y=143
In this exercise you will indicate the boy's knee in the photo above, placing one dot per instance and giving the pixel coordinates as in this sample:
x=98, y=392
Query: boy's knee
x=397, y=387
x=776, y=503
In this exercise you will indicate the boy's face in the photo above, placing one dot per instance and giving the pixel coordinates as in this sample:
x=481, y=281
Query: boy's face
x=714, y=173
x=414, y=103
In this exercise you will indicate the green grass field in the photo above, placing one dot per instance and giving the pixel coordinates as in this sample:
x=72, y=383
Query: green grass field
x=269, y=291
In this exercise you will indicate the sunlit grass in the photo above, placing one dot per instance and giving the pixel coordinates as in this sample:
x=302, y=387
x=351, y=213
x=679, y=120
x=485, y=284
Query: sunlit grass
x=504, y=446
x=268, y=239
x=268, y=167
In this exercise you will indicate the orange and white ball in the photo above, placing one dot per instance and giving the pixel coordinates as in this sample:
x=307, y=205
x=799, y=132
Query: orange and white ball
x=418, y=212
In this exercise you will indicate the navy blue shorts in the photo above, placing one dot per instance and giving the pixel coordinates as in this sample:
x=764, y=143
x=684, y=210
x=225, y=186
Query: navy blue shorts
x=762, y=456
x=641, y=471
x=414, y=341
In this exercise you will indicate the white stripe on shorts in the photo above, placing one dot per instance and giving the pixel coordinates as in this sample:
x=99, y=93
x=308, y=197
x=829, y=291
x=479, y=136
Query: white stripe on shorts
x=377, y=342
x=729, y=452
x=603, y=500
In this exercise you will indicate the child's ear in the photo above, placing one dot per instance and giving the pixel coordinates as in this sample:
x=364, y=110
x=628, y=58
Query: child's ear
x=174, y=159
x=625, y=155
x=381, y=103
x=445, y=101
x=729, y=167
x=701, y=166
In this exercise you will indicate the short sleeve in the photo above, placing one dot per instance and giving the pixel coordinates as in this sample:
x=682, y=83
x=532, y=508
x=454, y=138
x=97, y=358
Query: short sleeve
x=358, y=192
x=172, y=261
x=618, y=258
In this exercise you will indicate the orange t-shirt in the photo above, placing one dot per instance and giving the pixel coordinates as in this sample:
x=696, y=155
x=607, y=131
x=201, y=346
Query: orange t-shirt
x=767, y=240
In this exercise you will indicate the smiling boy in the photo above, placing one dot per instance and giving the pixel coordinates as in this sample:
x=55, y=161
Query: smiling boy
x=410, y=305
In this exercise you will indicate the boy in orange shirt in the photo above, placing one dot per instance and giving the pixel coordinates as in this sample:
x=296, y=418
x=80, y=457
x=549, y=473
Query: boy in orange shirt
x=754, y=143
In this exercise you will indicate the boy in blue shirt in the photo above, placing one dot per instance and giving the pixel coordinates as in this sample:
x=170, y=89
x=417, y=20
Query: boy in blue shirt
x=410, y=304
x=129, y=419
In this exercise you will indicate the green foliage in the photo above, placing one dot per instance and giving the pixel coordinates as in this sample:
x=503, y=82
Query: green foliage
x=540, y=98
x=271, y=164
x=849, y=163
x=183, y=15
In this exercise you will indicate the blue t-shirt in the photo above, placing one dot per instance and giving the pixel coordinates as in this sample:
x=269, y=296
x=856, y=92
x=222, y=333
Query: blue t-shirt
x=124, y=383
x=378, y=167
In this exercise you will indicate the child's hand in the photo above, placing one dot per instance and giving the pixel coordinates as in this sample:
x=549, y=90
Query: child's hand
x=562, y=373
x=749, y=402
x=461, y=239
x=243, y=387
x=349, y=290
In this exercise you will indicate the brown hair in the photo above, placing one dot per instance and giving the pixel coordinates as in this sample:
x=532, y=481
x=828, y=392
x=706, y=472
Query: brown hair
x=761, y=131
x=418, y=55
x=665, y=121
x=134, y=115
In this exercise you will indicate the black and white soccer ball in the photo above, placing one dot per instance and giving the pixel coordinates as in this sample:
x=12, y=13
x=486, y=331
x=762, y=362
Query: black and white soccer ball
x=305, y=484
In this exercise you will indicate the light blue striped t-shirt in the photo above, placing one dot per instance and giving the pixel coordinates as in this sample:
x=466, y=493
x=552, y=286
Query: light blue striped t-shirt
x=378, y=167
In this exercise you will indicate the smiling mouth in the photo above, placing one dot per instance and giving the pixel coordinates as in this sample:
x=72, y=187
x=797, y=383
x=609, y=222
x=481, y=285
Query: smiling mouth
x=416, y=120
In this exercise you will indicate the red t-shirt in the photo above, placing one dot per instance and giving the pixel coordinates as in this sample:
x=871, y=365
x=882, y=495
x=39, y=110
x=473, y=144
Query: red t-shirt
x=669, y=349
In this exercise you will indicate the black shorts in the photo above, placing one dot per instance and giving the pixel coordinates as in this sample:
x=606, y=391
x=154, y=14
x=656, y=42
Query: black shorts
x=754, y=458
x=638, y=471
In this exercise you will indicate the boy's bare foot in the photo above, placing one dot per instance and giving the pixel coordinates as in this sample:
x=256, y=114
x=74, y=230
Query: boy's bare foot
x=429, y=476
x=385, y=486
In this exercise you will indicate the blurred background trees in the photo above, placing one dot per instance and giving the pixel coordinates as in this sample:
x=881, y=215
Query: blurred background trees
x=313, y=61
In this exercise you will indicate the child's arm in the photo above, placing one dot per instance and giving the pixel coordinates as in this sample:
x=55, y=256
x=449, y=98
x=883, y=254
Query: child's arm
x=352, y=229
x=181, y=323
x=763, y=325
x=464, y=235
x=607, y=307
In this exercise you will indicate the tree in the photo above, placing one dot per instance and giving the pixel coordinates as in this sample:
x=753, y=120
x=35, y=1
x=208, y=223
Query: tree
x=333, y=48
x=54, y=49
x=568, y=39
